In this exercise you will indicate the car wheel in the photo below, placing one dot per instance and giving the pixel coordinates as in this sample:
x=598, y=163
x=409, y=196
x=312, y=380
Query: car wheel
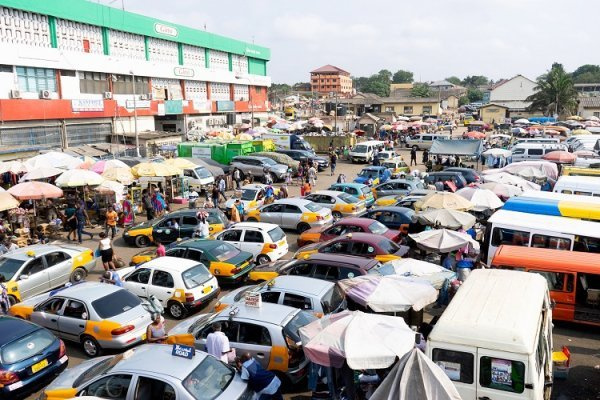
x=91, y=347
x=302, y=227
x=336, y=215
x=142, y=241
x=176, y=310
x=252, y=219
x=262, y=259
x=78, y=275
x=12, y=300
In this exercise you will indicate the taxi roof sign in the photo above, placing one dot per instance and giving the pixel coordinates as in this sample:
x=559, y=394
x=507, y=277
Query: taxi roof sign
x=252, y=299
x=183, y=351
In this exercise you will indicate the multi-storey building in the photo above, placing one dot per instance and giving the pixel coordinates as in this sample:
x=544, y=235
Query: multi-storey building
x=75, y=72
x=329, y=78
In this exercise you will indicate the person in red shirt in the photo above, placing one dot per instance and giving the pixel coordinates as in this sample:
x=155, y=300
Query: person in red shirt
x=160, y=250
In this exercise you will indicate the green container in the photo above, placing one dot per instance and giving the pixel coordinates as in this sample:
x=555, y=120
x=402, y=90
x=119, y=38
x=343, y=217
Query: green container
x=257, y=145
x=184, y=149
x=235, y=149
x=219, y=153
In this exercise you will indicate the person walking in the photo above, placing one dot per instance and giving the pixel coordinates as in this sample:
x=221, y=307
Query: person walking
x=147, y=203
x=71, y=221
x=4, y=300
x=263, y=382
x=237, y=177
x=217, y=344
x=413, y=156
x=312, y=176
x=156, y=332
x=106, y=252
x=160, y=249
x=82, y=218
x=425, y=156
x=202, y=230
x=215, y=195
x=235, y=212
x=222, y=188
x=111, y=222
x=128, y=212
x=332, y=162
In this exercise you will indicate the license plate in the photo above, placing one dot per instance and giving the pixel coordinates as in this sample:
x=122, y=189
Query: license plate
x=206, y=290
x=39, y=366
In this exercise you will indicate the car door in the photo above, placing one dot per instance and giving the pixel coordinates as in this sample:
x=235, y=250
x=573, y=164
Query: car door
x=291, y=216
x=162, y=286
x=156, y=388
x=332, y=232
x=59, y=266
x=137, y=282
x=256, y=340
x=112, y=386
x=166, y=233
x=47, y=313
x=72, y=322
x=386, y=189
x=188, y=226
x=252, y=242
x=272, y=214
x=34, y=278
x=501, y=375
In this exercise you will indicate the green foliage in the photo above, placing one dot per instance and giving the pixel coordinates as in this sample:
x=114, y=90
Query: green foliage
x=421, y=90
x=454, y=80
x=474, y=95
x=463, y=100
x=402, y=76
x=378, y=84
x=587, y=73
x=554, y=92
x=280, y=89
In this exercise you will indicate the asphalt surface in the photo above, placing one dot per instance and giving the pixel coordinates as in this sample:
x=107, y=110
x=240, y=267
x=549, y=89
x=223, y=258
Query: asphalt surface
x=583, y=382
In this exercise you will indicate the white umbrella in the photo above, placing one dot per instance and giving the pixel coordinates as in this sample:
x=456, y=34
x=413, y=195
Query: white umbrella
x=531, y=174
x=509, y=179
x=402, y=118
x=443, y=240
x=444, y=218
x=14, y=167
x=522, y=121
x=53, y=159
x=41, y=173
x=500, y=135
x=79, y=177
x=483, y=199
x=502, y=190
x=549, y=168
x=446, y=200
x=109, y=187
x=496, y=152
x=433, y=273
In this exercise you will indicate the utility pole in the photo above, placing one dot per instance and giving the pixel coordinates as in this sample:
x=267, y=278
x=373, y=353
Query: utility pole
x=135, y=124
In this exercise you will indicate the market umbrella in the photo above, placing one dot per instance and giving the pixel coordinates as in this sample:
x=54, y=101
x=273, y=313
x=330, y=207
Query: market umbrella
x=180, y=163
x=531, y=174
x=415, y=118
x=509, y=179
x=522, y=121
x=551, y=132
x=500, y=136
x=496, y=152
x=416, y=376
x=41, y=173
x=577, y=132
x=593, y=118
x=110, y=187
x=281, y=125
x=433, y=273
x=79, y=177
x=122, y=175
x=35, y=190
x=364, y=341
x=14, y=167
x=502, y=190
x=443, y=240
x=560, y=156
x=483, y=199
x=103, y=165
x=475, y=135
x=7, y=201
x=443, y=218
x=403, y=118
x=386, y=127
x=154, y=169
x=391, y=293
x=585, y=153
x=446, y=200
x=575, y=118
x=53, y=159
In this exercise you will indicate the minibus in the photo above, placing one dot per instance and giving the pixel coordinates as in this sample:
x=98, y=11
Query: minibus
x=494, y=340
x=365, y=151
x=582, y=185
x=573, y=279
x=578, y=171
x=557, y=204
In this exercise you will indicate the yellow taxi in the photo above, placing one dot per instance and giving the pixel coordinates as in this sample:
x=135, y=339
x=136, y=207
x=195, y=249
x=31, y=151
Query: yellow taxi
x=292, y=213
x=341, y=204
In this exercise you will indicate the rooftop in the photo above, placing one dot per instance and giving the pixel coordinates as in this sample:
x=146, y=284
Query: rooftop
x=329, y=69
x=268, y=313
x=158, y=359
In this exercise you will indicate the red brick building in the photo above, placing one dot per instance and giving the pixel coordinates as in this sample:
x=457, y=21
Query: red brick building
x=330, y=78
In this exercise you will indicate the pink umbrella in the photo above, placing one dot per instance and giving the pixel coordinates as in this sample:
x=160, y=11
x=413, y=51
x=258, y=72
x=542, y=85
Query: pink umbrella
x=103, y=165
x=560, y=156
x=585, y=153
x=475, y=135
x=35, y=190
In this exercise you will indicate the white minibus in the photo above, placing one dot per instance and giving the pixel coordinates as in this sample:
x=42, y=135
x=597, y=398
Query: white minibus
x=582, y=185
x=364, y=151
x=534, y=151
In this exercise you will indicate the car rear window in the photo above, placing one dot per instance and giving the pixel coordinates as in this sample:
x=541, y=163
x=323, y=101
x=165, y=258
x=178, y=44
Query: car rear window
x=377, y=228
x=277, y=234
x=196, y=276
x=365, y=190
x=225, y=251
x=313, y=207
x=27, y=346
x=115, y=303
x=332, y=299
x=348, y=198
x=388, y=246
x=209, y=379
x=292, y=329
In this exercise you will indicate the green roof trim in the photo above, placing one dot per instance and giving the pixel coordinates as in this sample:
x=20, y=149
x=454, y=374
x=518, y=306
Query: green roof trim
x=100, y=15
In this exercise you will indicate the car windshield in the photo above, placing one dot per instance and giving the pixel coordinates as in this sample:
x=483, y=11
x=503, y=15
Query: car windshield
x=313, y=207
x=195, y=276
x=277, y=234
x=299, y=320
x=388, y=246
x=209, y=379
x=9, y=267
x=269, y=161
x=348, y=198
x=360, y=149
x=332, y=299
x=98, y=369
x=249, y=194
x=378, y=228
x=365, y=190
x=27, y=346
x=367, y=173
x=419, y=185
x=390, y=165
x=203, y=173
x=224, y=251
x=201, y=322
x=115, y=303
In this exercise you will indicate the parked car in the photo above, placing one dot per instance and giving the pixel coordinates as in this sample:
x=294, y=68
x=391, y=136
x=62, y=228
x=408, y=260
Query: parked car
x=470, y=175
x=398, y=218
x=424, y=141
x=394, y=200
x=305, y=155
x=341, y=204
x=345, y=226
x=363, y=192
x=179, y=285
x=151, y=371
x=373, y=176
x=387, y=155
x=266, y=242
x=455, y=177
x=257, y=166
x=34, y=270
x=30, y=357
x=397, y=187
x=251, y=195
x=292, y=213
x=397, y=167
x=309, y=294
x=269, y=333
x=97, y=315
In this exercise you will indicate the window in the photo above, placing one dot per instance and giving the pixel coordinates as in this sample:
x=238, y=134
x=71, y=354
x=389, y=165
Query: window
x=36, y=79
x=535, y=152
x=550, y=242
x=196, y=255
x=189, y=220
x=140, y=276
x=53, y=306
x=277, y=234
x=362, y=249
x=270, y=296
x=389, y=109
x=510, y=237
x=111, y=387
x=342, y=246
x=26, y=346
x=326, y=272
x=589, y=244
x=36, y=265
x=162, y=279
x=196, y=276
x=232, y=236
x=291, y=209
x=518, y=151
x=274, y=208
x=6, y=68
x=457, y=365
x=408, y=109
x=175, y=253
x=56, y=258
x=93, y=82
x=209, y=379
x=556, y=280
x=115, y=303
x=426, y=109
x=75, y=309
x=501, y=374
x=296, y=301
x=253, y=237
x=124, y=85
x=69, y=73
x=301, y=269
x=148, y=388
x=254, y=334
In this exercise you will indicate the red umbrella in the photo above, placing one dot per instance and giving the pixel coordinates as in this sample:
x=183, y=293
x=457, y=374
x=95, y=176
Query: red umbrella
x=475, y=135
x=359, y=132
x=560, y=156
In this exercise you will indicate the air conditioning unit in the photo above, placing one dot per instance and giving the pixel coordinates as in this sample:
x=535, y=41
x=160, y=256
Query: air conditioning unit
x=44, y=94
x=15, y=94
x=107, y=95
x=144, y=97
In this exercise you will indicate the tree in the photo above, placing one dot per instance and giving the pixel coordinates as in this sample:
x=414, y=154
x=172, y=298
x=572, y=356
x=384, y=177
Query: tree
x=475, y=80
x=421, y=90
x=474, y=95
x=463, y=100
x=402, y=76
x=555, y=93
x=378, y=84
x=454, y=80
x=587, y=73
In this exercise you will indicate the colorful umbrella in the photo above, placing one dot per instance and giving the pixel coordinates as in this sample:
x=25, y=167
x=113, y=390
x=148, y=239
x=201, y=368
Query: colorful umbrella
x=448, y=201
x=482, y=198
x=432, y=273
x=443, y=218
x=110, y=187
x=79, y=177
x=496, y=152
x=41, y=173
x=103, y=165
x=53, y=159
x=577, y=132
x=443, y=240
x=35, y=190
x=154, y=169
x=122, y=175
x=180, y=163
x=475, y=135
x=509, y=179
x=560, y=157
x=585, y=153
x=7, y=201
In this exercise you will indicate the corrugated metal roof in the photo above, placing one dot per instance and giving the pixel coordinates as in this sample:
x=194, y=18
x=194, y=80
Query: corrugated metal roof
x=329, y=68
x=590, y=102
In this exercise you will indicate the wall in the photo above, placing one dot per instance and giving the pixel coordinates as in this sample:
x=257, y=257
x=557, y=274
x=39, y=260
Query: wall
x=492, y=114
x=518, y=88
x=417, y=108
x=127, y=125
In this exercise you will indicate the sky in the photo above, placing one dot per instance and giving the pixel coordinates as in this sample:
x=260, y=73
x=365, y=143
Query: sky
x=433, y=39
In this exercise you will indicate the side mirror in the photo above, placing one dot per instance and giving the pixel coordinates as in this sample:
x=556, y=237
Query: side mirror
x=23, y=277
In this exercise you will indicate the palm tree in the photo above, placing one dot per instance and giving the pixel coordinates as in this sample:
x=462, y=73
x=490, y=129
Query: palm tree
x=555, y=93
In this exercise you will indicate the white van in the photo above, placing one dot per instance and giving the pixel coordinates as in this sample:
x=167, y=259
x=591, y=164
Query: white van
x=425, y=140
x=200, y=178
x=494, y=340
x=582, y=185
x=536, y=140
x=534, y=151
x=364, y=151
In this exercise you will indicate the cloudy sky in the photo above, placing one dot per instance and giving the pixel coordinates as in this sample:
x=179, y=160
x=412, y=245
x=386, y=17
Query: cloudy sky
x=434, y=39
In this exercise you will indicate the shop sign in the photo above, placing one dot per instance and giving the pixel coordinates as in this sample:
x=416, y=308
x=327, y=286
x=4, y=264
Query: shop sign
x=79, y=105
x=201, y=152
x=225, y=106
x=185, y=72
x=165, y=30
x=173, y=107
x=138, y=104
x=202, y=105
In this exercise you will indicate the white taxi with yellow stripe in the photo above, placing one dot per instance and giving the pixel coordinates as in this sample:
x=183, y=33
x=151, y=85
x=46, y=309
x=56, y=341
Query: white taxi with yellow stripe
x=292, y=213
x=179, y=284
x=251, y=195
x=341, y=204
x=266, y=242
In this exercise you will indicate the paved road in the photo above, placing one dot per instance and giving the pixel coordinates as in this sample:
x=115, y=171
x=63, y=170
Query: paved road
x=583, y=382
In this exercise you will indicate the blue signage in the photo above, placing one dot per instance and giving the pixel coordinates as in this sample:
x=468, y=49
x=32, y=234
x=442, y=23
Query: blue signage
x=179, y=350
x=225, y=106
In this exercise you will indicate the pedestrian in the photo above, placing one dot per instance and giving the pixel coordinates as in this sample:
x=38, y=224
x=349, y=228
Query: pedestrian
x=288, y=176
x=215, y=195
x=300, y=176
x=235, y=212
x=112, y=277
x=156, y=332
x=111, y=222
x=237, y=177
x=128, y=212
x=217, y=344
x=222, y=188
x=71, y=221
x=4, y=300
x=413, y=156
x=202, y=229
x=269, y=194
x=332, y=162
x=147, y=203
x=263, y=382
x=82, y=218
x=106, y=252
x=250, y=177
x=306, y=189
x=425, y=156
x=312, y=176
x=158, y=202
x=283, y=192
x=341, y=178
x=267, y=178
x=160, y=249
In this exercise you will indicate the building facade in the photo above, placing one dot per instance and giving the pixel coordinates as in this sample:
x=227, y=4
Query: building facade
x=412, y=106
x=76, y=72
x=589, y=107
x=331, y=79
x=493, y=113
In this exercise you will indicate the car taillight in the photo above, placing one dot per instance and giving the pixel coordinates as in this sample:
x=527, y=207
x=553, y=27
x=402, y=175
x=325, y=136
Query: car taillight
x=319, y=218
x=8, y=377
x=63, y=350
x=122, y=330
x=353, y=208
x=236, y=270
x=272, y=246
x=189, y=297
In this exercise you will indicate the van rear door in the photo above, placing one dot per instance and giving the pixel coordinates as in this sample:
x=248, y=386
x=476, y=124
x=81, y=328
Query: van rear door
x=502, y=375
x=458, y=363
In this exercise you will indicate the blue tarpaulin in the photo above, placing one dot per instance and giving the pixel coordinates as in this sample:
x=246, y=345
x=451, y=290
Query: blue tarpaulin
x=457, y=147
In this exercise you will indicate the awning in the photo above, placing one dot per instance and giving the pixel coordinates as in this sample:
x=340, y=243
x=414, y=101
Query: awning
x=464, y=147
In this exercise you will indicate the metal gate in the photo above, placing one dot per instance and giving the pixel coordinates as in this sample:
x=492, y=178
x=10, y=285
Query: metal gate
x=78, y=134
x=42, y=136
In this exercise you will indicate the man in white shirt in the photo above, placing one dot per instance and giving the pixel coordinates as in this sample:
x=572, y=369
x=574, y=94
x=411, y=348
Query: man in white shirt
x=217, y=344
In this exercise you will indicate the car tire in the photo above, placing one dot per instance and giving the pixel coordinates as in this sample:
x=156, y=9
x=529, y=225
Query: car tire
x=78, y=275
x=90, y=346
x=12, y=300
x=337, y=215
x=176, y=310
x=142, y=241
x=262, y=259
x=302, y=227
x=251, y=219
